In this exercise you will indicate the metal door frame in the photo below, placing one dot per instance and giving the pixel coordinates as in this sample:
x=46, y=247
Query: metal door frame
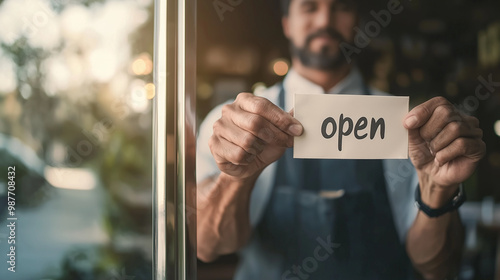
x=174, y=149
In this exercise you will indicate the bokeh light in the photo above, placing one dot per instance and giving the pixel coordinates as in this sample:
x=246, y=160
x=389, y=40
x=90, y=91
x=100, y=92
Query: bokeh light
x=103, y=64
x=259, y=86
x=497, y=128
x=150, y=91
x=142, y=65
x=205, y=90
x=280, y=67
x=138, y=99
x=8, y=81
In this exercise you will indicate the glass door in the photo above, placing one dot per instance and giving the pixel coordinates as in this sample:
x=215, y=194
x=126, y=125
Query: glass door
x=96, y=154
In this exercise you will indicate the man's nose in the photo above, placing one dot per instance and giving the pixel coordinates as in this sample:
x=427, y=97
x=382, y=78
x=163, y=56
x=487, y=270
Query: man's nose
x=323, y=18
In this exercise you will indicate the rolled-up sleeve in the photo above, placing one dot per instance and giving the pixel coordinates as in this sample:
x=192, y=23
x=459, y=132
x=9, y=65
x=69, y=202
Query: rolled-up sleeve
x=205, y=163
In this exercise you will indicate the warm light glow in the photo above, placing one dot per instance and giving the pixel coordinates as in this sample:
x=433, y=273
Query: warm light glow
x=103, y=64
x=280, y=67
x=142, y=65
x=259, y=86
x=57, y=74
x=138, y=96
x=150, y=91
x=75, y=19
x=139, y=66
x=205, y=90
x=70, y=178
x=497, y=128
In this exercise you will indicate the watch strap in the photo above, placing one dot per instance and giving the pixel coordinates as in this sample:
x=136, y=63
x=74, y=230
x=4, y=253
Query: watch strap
x=453, y=204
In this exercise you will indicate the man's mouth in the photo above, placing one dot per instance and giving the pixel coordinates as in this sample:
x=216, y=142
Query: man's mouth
x=323, y=41
x=325, y=38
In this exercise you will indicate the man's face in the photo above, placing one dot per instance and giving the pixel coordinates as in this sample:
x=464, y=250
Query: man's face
x=316, y=28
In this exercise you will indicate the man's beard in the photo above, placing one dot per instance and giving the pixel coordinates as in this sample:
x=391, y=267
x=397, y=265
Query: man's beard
x=322, y=60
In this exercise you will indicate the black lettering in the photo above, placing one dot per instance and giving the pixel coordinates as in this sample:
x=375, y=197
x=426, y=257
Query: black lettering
x=342, y=121
x=375, y=125
x=360, y=124
x=325, y=125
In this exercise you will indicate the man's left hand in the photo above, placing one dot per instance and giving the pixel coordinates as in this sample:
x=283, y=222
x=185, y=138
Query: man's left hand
x=445, y=146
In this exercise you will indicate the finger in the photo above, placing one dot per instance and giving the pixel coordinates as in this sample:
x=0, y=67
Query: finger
x=225, y=151
x=471, y=148
x=421, y=114
x=440, y=118
x=238, y=136
x=224, y=165
x=265, y=108
x=258, y=126
x=452, y=131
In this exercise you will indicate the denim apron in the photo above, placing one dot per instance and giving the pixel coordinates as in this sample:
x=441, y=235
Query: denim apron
x=329, y=219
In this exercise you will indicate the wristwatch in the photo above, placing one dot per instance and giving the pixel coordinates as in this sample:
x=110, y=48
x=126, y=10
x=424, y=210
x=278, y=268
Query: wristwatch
x=451, y=205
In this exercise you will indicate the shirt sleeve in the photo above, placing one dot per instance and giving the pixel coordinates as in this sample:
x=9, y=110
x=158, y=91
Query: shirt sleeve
x=205, y=163
x=207, y=167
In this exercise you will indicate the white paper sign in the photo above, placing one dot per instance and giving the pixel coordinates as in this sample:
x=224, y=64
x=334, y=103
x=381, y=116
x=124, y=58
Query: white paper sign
x=351, y=126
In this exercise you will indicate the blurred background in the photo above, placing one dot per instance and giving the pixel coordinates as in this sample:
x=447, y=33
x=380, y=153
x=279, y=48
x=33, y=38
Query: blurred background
x=447, y=48
x=75, y=117
x=75, y=120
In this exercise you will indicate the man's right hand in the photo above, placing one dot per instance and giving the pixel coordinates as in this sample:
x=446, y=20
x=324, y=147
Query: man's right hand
x=251, y=134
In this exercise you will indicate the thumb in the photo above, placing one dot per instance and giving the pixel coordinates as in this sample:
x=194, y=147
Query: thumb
x=418, y=149
x=414, y=137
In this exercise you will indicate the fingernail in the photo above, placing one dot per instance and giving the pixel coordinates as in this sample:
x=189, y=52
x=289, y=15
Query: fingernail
x=295, y=129
x=411, y=121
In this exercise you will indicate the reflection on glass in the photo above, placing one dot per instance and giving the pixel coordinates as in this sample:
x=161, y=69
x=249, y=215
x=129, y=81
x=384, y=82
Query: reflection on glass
x=75, y=122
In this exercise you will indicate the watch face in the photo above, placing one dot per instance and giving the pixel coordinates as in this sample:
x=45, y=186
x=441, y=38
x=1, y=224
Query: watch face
x=459, y=198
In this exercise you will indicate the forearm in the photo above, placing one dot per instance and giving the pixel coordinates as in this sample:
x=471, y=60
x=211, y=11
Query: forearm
x=435, y=244
x=445, y=147
x=223, y=224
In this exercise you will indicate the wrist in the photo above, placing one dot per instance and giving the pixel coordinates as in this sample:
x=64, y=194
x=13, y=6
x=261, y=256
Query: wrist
x=435, y=195
x=240, y=184
x=433, y=212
